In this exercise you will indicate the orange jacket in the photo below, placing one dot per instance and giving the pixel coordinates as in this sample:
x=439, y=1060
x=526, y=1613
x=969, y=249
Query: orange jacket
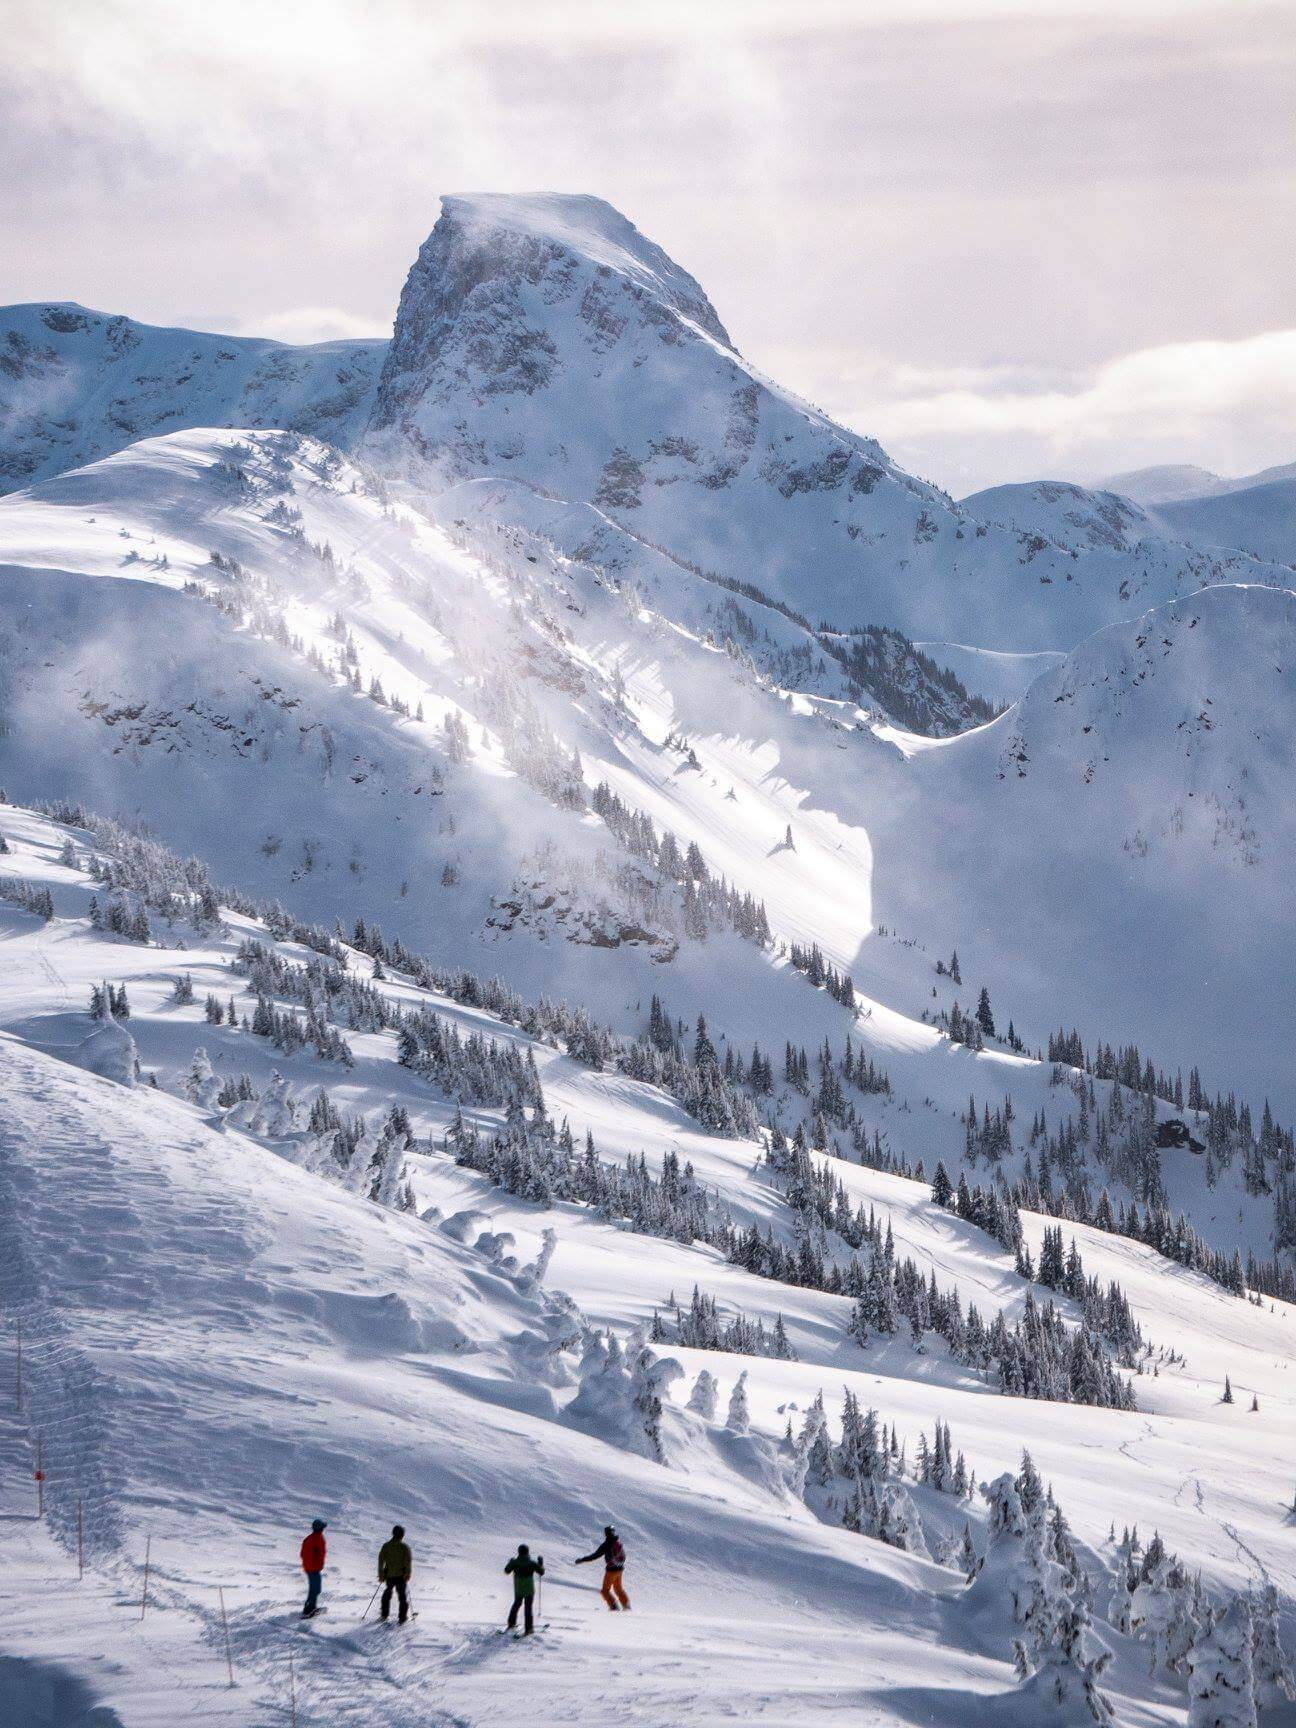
x=313, y=1552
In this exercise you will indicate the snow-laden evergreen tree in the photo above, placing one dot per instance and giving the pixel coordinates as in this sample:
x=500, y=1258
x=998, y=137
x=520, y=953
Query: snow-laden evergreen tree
x=1271, y=1672
x=650, y=1377
x=357, y=1176
x=702, y=1399
x=1060, y=1686
x=814, y=1453
x=1165, y=1610
x=1221, y=1682
x=1020, y=1568
x=387, y=1186
x=738, y=1419
x=201, y=1085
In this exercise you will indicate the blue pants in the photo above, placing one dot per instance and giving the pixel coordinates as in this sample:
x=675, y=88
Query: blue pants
x=314, y=1583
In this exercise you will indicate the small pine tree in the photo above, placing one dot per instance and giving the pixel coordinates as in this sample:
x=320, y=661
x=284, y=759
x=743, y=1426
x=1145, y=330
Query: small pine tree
x=1228, y=1391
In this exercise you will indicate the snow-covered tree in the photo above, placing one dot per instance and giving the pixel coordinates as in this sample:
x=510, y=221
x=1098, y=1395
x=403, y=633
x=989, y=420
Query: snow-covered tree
x=650, y=1377
x=738, y=1419
x=1060, y=1686
x=1271, y=1672
x=201, y=1085
x=702, y=1399
x=1221, y=1683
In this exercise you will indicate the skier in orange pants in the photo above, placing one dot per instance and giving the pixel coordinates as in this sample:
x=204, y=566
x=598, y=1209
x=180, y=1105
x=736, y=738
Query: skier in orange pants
x=611, y=1552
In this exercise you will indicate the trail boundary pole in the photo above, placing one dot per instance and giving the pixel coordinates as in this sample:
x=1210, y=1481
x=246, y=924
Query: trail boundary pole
x=39, y=1474
x=229, y=1660
x=148, y=1552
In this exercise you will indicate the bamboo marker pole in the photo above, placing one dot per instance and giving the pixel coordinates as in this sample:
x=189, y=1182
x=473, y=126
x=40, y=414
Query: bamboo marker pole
x=229, y=1660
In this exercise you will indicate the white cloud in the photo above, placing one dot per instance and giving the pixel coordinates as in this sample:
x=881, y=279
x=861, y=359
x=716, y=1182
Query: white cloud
x=311, y=324
x=1225, y=404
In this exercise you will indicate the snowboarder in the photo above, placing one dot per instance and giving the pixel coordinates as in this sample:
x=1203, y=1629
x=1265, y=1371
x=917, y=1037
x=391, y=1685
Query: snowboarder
x=612, y=1553
x=395, y=1569
x=313, y=1550
x=524, y=1572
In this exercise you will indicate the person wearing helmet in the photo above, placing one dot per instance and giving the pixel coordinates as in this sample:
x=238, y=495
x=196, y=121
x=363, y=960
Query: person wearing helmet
x=611, y=1552
x=313, y=1550
x=395, y=1569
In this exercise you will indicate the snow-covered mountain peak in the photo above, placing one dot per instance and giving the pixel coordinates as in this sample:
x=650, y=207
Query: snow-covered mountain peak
x=586, y=228
x=1076, y=517
x=546, y=341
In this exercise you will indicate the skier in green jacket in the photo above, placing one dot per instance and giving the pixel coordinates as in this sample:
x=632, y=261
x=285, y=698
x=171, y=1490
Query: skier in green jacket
x=395, y=1569
x=524, y=1571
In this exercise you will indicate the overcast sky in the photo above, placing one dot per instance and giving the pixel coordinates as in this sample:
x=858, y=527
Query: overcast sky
x=1006, y=237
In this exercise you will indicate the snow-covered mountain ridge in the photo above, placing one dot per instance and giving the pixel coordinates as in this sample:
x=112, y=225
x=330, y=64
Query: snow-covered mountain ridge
x=76, y=385
x=1173, y=483
x=1256, y=521
x=545, y=340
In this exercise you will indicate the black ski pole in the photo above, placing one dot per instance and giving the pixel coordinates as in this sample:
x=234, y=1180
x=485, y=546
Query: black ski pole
x=372, y=1599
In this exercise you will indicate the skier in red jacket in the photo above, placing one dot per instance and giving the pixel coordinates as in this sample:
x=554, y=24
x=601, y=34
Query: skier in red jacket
x=313, y=1550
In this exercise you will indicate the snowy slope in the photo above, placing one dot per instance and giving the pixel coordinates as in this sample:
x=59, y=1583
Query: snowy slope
x=1120, y=838
x=76, y=384
x=1261, y=518
x=221, y=1343
x=200, y=716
